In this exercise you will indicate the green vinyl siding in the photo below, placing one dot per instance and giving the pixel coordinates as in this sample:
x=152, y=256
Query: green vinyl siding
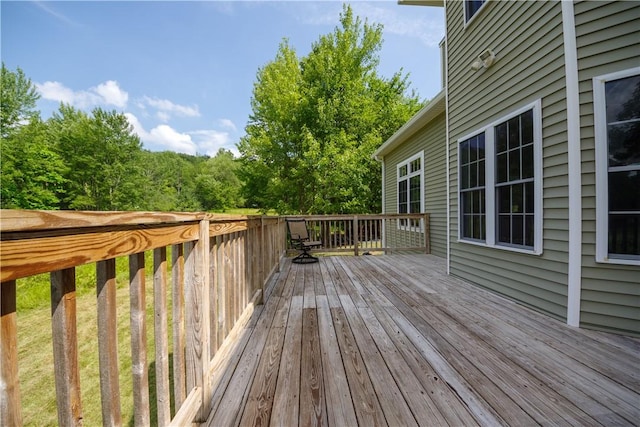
x=430, y=139
x=608, y=40
x=527, y=40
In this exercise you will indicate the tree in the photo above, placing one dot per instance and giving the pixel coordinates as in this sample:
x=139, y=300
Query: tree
x=217, y=184
x=19, y=98
x=32, y=171
x=316, y=121
x=103, y=158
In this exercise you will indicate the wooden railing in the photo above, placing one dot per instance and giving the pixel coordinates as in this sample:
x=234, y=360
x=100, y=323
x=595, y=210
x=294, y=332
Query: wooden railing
x=360, y=234
x=219, y=267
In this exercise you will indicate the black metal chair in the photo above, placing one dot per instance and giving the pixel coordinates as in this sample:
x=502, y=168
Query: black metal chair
x=299, y=238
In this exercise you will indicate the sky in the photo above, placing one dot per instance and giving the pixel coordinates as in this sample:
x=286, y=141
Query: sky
x=183, y=71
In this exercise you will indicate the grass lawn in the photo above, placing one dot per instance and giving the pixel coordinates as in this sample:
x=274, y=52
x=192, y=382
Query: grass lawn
x=35, y=358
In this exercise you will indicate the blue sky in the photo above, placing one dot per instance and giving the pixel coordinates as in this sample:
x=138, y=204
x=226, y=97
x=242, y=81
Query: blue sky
x=183, y=71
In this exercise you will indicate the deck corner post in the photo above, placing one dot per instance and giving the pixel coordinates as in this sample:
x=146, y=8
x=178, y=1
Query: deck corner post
x=10, y=413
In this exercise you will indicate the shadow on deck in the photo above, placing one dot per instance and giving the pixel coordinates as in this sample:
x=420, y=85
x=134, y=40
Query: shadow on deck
x=392, y=340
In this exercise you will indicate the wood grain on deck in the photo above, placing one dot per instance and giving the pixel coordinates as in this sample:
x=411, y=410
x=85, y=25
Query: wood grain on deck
x=392, y=340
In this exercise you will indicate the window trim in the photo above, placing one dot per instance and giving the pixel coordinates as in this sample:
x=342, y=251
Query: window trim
x=407, y=162
x=490, y=182
x=602, y=167
x=469, y=20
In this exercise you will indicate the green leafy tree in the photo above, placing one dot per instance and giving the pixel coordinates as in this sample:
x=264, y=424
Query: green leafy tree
x=103, y=157
x=19, y=97
x=217, y=184
x=169, y=178
x=316, y=121
x=32, y=171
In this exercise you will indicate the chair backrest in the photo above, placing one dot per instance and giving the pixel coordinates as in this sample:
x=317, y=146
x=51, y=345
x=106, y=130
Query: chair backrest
x=298, y=229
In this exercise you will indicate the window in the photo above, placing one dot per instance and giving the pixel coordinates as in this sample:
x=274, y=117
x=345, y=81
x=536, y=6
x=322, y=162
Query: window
x=472, y=191
x=410, y=179
x=500, y=185
x=514, y=180
x=617, y=132
x=471, y=7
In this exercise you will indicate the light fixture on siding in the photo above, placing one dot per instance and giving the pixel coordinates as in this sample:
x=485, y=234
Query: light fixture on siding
x=485, y=59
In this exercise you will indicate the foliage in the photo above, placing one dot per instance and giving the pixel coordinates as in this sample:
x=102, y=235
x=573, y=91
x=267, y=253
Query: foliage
x=217, y=184
x=316, y=122
x=19, y=98
x=77, y=160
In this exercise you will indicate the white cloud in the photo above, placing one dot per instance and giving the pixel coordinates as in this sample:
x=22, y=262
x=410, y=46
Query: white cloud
x=112, y=94
x=164, y=117
x=210, y=141
x=169, y=108
x=163, y=137
x=107, y=93
x=227, y=124
x=393, y=17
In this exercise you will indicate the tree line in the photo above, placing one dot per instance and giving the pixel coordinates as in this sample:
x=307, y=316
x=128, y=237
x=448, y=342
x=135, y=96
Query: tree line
x=94, y=161
x=315, y=122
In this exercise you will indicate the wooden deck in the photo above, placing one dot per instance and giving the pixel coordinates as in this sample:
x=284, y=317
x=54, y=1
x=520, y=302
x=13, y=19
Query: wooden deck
x=392, y=340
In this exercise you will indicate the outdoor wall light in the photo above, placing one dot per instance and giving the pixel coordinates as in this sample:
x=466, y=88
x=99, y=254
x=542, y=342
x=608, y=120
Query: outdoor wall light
x=485, y=59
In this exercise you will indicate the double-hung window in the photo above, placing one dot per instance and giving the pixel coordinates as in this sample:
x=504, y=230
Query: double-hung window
x=514, y=181
x=472, y=188
x=410, y=188
x=500, y=193
x=616, y=100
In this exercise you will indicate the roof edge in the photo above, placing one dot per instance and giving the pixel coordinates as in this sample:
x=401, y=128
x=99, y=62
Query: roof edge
x=439, y=3
x=435, y=107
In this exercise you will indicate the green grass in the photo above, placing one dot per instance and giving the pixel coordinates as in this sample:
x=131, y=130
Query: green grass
x=35, y=359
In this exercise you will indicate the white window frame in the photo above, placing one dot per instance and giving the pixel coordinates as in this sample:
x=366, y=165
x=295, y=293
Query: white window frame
x=469, y=19
x=602, y=167
x=407, y=163
x=490, y=183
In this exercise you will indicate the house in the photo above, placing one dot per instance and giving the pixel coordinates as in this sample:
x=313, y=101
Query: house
x=528, y=160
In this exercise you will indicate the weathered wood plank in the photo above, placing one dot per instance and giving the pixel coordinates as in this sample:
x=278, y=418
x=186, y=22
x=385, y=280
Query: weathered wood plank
x=286, y=400
x=189, y=409
x=35, y=220
x=228, y=355
x=10, y=408
x=257, y=411
x=65, y=347
x=108, y=343
x=313, y=409
x=232, y=403
x=340, y=411
x=391, y=399
x=137, y=290
x=26, y=257
x=366, y=404
x=161, y=334
x=177, y=299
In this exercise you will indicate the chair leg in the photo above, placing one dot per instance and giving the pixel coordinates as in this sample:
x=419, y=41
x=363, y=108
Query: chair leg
x=305, y=258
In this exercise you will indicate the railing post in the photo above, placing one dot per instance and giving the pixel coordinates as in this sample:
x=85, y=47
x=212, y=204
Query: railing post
x=356, y=235
x=10, y=386
x=65, y=347
x=197, y=324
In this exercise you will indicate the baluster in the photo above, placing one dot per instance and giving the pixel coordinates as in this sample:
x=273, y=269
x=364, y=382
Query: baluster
x=65, y=347
x=108, y=343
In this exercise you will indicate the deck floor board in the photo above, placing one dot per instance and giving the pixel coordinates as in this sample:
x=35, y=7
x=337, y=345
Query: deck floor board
x=393, y=340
